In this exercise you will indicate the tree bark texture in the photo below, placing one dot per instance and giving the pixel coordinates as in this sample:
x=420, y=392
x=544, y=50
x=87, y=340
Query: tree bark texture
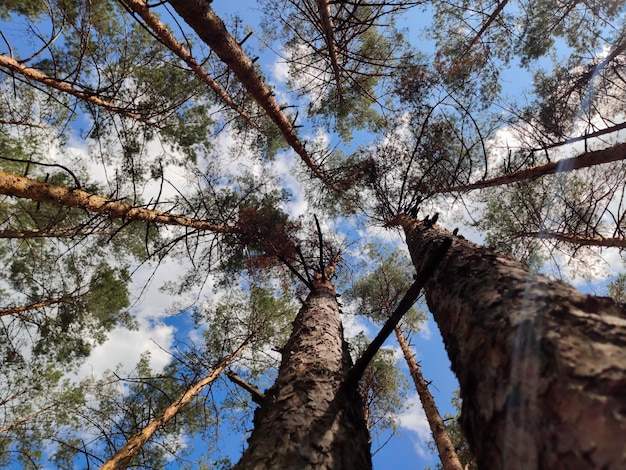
x=542, y=367
x=307, y=419
x=445, y=447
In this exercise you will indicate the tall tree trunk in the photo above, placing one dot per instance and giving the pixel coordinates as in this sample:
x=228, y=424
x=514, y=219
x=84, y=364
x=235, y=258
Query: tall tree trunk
x=326, y=23
x=128, y=451
x=445, y=447
x=308, y=420
x=211, y=29
x=166, y=37
x=542, y=367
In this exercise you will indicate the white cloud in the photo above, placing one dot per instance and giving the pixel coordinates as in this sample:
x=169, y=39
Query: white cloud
x=280, y=70
x=126, y=347
x=353, y=325
x=284, y=167
x=414, y=421
x=425, y=332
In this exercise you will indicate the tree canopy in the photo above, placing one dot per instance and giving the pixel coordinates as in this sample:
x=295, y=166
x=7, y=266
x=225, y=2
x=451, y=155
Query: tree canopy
x=177, y=179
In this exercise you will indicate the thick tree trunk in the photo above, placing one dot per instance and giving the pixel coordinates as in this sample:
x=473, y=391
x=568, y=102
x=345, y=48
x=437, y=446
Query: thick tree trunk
x=445, y=447
x=308, y=420
x=542, y=367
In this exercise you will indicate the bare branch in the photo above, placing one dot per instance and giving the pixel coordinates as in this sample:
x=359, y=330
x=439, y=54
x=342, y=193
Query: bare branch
x=34, y=74
x=585, y=160
x=618, y=242
x=19, y=186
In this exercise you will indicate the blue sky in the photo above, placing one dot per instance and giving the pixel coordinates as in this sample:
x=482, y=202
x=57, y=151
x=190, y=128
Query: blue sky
x=406, y=451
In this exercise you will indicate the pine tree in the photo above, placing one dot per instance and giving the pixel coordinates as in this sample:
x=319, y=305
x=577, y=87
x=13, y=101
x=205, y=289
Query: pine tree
x=171, y=104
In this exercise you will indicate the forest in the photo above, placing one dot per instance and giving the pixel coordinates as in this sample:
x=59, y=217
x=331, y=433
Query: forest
x=237, y=234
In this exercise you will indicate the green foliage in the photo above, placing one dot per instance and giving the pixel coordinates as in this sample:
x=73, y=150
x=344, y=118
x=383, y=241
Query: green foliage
x=368, y=48
x=257, y=312
x=458, y=439
x=383, y=387
x=378, y=292
x=617, y=289
x=430, y=120
x=31, y=8
x=527, y=32
x=60, y=422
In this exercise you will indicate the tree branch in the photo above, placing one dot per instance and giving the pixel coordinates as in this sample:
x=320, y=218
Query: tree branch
x=123, y=457
x=211, y=29
x=428, y=268
x=19, y=186
x=577, y=239
x=585, y=160
x=257, y=395
x=167, y=38
x=34, y=74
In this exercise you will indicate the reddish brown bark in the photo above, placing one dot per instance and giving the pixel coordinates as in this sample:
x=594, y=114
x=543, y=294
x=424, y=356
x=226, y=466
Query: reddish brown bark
x=34, y=74
x=445, y=447
x=307, y=420
x=124, y=456
x=200, y=16
x=326, y=20
x=541, y=366
x=166, y=37
x=18, y=310
x=61, y=232
x=19, y=186
x=585, y=160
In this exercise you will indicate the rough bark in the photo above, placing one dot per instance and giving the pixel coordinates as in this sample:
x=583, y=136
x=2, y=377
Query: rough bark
x=307, y=420
x=211, y=29
x=445, y=447
x=124, y=456
x=22, y=187
x=541, y=366
x=585, y=160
